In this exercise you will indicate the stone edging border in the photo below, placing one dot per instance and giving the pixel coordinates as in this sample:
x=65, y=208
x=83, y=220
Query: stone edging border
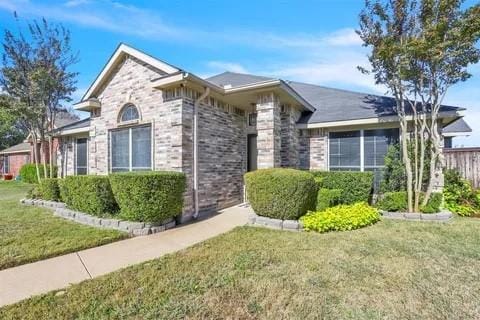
x=133, y=228
x=290, y=225
x=443, y=216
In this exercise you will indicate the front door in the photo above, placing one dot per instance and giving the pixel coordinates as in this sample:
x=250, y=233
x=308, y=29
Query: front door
x=252, y=152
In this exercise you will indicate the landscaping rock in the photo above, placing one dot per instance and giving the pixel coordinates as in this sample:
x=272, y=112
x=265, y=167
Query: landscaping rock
x=291, y=225
x=170, y=225
x=412, y=216
x=268, y=222
x=110, y=223
x=141, y=232
x=135, y=225
x=251, y=218
x=157, y=229
x=429, y=217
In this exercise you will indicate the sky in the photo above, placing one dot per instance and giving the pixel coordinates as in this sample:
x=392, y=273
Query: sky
x=311, y=40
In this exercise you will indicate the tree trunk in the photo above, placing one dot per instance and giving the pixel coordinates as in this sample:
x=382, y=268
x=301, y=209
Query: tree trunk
x=35, y=154
x=407, y=161
x=50, y=150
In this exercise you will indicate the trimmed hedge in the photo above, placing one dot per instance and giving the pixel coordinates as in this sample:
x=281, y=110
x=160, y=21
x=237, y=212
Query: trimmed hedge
x=149, y=196
x=89, y=194
x=28, y=172
x=281, y=193
x=341, y=218
x=49, y=189
x=397, y=201
x=327, y=198
x=355, y=186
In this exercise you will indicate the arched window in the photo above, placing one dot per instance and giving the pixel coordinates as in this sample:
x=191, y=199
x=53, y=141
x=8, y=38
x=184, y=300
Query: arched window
x=129, y=113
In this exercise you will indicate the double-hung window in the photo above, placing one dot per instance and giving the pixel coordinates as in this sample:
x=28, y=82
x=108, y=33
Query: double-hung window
x=131, y=149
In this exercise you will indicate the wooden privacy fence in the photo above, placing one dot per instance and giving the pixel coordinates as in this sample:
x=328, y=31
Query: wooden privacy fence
x=466, y=161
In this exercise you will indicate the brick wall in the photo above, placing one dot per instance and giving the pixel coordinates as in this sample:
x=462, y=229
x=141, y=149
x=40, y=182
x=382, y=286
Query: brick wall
x=313, y=149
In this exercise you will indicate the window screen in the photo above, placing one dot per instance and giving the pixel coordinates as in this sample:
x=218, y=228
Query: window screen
x=81, y=156
x=6, y=164
x=376, y=144
x=344, y=150
x=131, y=149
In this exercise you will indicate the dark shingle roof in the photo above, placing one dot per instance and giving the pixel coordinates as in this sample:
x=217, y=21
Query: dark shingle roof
x=64, y=118
x=330, y=104
x=85, y=123
x=458, y=125
x=21, y=147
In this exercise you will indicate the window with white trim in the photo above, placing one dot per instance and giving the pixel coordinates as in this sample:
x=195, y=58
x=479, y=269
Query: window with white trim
x=131, y=149
x=6, y=164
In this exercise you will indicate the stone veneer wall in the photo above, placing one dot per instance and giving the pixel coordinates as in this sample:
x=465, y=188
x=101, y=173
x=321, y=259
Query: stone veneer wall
x=222, y=148
x=65, y=156
x=268, y=131
x=313, y=146
x=289, y=151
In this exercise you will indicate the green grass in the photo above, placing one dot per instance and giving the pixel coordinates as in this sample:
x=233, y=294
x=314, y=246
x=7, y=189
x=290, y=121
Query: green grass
x=391, y=270
x=29, y=234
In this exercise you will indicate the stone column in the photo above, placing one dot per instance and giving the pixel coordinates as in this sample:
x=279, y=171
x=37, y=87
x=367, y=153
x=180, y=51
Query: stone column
x=268, y=129
x=289, y=134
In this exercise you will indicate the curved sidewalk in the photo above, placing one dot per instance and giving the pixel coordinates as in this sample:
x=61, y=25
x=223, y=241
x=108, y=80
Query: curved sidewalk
x=31, y=279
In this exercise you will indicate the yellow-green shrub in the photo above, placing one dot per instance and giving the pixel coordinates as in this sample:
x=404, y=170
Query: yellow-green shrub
x=341, y=218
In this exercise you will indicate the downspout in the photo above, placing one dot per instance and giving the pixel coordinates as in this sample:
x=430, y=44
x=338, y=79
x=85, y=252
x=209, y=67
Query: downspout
x=195, y=149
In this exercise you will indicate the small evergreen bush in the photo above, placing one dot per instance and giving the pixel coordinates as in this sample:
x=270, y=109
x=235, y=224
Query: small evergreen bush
x=281, y=193
x=341, y=218
x=397, y=202
x=149, y=196
x=356, y=186
x=89, y=194
x=28, y=172
x=49, y=189
x=327, y=198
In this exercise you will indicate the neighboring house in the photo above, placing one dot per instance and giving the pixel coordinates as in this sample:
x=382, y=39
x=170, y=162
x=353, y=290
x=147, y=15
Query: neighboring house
x=13, y=158
x=146, y=114
x=458, y=128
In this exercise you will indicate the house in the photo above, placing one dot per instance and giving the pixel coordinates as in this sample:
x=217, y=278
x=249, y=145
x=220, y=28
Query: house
x=146, y=114
x=13, y=158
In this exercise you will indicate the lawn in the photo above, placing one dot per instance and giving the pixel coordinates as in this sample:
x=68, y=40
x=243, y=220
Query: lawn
x=392, y=270
x=29, y=234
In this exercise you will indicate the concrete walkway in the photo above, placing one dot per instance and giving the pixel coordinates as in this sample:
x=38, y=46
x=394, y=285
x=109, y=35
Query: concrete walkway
x=24, y=281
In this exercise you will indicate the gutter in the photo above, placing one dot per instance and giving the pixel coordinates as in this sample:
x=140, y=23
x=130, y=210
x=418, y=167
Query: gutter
x=195, y=149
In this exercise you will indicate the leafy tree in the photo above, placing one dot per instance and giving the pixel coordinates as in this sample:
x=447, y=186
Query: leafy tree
x=36, y=75
x=11, y=132
x=419, y=49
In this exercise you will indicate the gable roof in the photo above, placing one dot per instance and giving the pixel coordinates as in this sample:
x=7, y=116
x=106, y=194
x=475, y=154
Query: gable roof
x=457, y=126
x=117, y=56
x=74, y=127
x=19, y=148
x=330, y=104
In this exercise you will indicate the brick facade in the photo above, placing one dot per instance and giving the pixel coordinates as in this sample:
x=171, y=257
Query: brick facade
x=313, y=146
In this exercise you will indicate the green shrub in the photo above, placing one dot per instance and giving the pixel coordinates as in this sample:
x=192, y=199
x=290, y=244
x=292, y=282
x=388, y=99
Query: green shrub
x=33, y=193
x=89, y=194
x=149, y=196
x=28, y=172
x=393, y=201
x=281, y=193
x=327, y=198
x=397, y=201
x=341, y=218
x=355, y=186
x=49, y=189
x=434, y=203
x=459, y=195
x=393, y=175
